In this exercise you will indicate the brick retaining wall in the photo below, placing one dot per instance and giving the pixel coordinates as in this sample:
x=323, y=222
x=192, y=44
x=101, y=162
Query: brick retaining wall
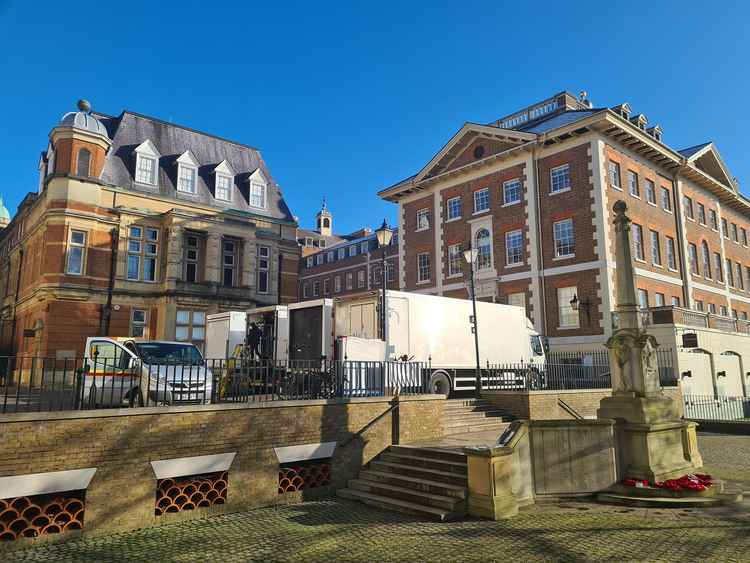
x=122, y=443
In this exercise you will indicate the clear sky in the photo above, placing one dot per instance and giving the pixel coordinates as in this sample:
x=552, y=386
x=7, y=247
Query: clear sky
x=346, y=98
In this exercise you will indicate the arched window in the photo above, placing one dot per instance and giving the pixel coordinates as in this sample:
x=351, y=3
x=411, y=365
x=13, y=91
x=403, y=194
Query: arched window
x=84, y=162
x=706, y=257
x=484, y=249
x=326, y=223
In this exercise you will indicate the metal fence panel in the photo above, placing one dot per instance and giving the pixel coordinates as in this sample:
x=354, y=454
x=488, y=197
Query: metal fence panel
x=708, y=407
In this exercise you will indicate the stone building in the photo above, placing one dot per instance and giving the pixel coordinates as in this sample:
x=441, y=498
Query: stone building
x=534, y=190
x=140, y=227
x=338, y=265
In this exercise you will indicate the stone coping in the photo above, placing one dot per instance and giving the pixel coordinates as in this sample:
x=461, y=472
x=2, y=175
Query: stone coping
x=149, y=411
x=572, y=422
x=551, y=391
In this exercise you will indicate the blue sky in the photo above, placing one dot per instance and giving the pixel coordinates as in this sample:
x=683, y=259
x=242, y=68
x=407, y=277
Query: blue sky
x=346, y=98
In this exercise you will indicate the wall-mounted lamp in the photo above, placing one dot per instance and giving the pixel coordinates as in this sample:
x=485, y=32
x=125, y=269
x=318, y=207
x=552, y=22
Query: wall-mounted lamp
x=583, y=304
x=685, y=374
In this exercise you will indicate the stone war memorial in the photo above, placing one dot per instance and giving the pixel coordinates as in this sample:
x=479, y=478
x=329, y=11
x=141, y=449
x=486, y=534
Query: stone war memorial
x=637, y=451
x=652, y=442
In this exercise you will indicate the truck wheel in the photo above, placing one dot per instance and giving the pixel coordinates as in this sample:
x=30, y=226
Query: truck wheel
x=440, y=383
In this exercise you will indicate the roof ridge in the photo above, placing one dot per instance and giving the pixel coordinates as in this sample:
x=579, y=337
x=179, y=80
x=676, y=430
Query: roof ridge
x=171, y=124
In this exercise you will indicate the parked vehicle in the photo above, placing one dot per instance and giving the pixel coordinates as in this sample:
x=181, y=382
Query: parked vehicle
x=130, y=371
x=431, y=330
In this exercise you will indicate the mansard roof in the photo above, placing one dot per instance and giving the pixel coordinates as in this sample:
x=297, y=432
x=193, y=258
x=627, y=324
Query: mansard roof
x=130, y=130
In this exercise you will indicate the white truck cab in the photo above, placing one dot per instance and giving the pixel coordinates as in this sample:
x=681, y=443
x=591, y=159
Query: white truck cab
x=141, y=372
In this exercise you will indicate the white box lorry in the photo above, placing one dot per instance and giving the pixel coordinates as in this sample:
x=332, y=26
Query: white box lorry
x=432, y=330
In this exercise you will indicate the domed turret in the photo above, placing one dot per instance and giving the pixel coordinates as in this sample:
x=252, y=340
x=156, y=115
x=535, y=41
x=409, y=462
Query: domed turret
x=4, y=215
x=82, y=119
x=80, y=143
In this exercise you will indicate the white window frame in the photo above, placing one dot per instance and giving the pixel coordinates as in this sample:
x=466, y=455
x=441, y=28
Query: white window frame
x=572, y=253
x=138, y=323
x=615, y=179
x=639, y=247
x=77, y=247
x=147, y=150
x=515, y=259
x=187, y=163
x=316, y=288
x=195, y=327
x=424, y=270
x=455, y=260
x=516, y=299
x=453, y=208
x=649, y=187
x=670, y=251
x=305, y=290
x=337, y=284
x=481, y=196
x=364, y=247
x=327, y=286
x=224, y=171
x=567, y=317
x=330, y=257
x=559, y=179
x=655, y=247
x=642, y=298
x=233, y=264
x=634, y=184
x=514, y=183
x=264, y=269
x=257, y=195
x=192, y=257
x=360, y=279
x=423, y=219
x=349, y=280
x=352, y=250
x=219, y=189
x=319, y=259
x=484, y=251
x=143, y=248
x=342, y=253
x=310, y=262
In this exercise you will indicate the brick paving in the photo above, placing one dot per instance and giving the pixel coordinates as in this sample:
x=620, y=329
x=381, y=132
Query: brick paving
x=339, y=530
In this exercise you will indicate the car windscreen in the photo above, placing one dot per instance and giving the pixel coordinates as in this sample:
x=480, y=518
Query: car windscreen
x=169, y=353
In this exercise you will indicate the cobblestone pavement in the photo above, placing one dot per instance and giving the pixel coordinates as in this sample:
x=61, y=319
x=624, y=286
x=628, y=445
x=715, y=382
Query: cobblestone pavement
x=340, y=530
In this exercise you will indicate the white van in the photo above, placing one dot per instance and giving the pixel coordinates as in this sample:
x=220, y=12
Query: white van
x=137, y=372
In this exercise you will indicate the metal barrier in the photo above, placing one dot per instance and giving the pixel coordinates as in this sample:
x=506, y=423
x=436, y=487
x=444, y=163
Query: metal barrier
x=566, y=371
x=708, y=407
x=30, y=384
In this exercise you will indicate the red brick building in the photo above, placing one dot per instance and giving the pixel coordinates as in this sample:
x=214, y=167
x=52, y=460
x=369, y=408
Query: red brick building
x=338, y=265
x=533, y=192
x=140, y=227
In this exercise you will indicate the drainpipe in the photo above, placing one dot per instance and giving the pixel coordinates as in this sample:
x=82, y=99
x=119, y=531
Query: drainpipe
x=678, y=213
x=15, y=303
x=540, y=246
x=106, y=314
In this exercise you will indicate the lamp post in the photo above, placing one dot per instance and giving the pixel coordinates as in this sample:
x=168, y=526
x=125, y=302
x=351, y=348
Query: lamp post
x=577, y=304
x=470, y=255
x=384, y=235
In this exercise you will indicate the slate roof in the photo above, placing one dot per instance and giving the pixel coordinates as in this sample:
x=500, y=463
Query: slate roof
x=330, y=240
x=556, y=120
x=690, y=151
x=129, y=130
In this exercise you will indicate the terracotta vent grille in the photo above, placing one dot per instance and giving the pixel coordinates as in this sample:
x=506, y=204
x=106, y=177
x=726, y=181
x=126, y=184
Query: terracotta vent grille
x=301, y=475
x=191, y=492
x=41, y=515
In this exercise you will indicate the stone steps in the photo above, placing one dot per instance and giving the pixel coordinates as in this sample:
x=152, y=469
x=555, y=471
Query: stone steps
x=462, y=416
x=428, y=482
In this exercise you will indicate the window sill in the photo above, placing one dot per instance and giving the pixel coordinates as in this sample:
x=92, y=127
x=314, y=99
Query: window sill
x=640, y=260
x=480, y=212
x=618, y=188
x=452, y=220
x=655, y=265
x=454, y=276
x=667, y=211
x=566, y=257
x=515, y=265
x=560, y=191
x=423, y=282
x=652, y=204
x=576, y=327
x=417, y=231
x=689, y=219
x=634, y=195
x=673, y=270
x=511, y=204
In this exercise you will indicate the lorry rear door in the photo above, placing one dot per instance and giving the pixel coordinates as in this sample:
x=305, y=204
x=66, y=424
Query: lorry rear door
x=306, y=328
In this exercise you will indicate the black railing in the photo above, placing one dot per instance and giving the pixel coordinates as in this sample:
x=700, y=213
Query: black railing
x=708, y=407
x=567, y=370
x=45, y=384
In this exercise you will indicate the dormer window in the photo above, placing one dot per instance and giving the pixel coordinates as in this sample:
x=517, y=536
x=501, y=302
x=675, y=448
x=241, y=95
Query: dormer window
x=257, y=190
x=224, y=181
x=146, y=163
x=187, y=173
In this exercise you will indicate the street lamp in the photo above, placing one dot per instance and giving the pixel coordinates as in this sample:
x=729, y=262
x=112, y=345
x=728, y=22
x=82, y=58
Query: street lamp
x=470, y=255
x=384, y=235
x=575, y=304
